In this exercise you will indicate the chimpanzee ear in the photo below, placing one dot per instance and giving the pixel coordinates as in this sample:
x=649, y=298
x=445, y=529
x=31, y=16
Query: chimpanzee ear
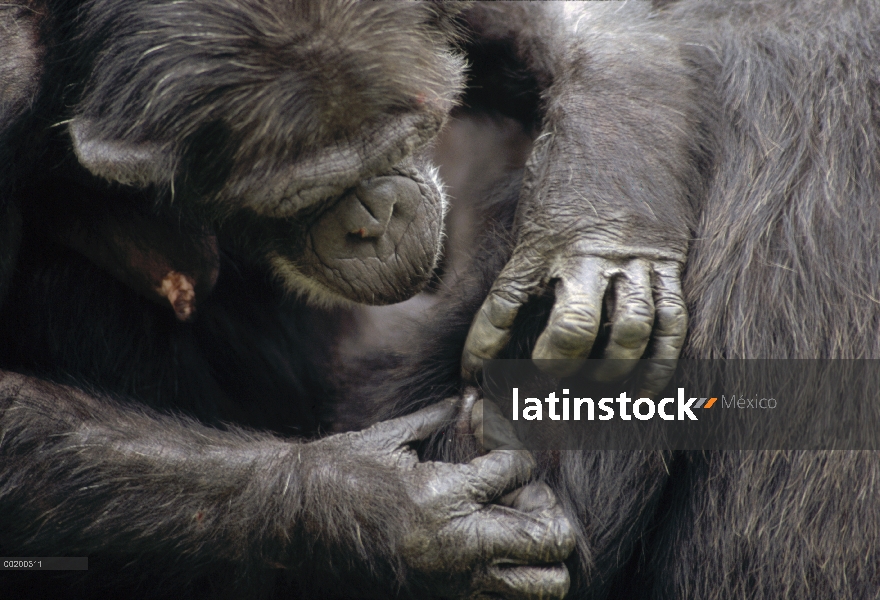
x=129, y=163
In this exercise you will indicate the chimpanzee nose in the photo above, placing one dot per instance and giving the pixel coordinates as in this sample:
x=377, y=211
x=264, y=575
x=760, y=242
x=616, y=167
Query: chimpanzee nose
x=370, y=220
x=378, y=243
x=371, y=206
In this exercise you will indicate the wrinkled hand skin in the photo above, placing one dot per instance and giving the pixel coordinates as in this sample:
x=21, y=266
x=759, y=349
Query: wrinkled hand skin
x=461, y=544
x=587, y=253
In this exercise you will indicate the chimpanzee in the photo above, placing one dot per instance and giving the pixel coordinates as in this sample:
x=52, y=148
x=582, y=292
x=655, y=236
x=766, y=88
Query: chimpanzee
x=198, y=186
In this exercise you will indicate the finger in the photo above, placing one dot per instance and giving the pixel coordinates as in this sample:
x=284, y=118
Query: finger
x=491, y=429
x=538, y=499
x=465, y=418
x=522, y=582
x=492, y=475
x=574, y=320
x=511, y=537
x=416, y=426
x=631, y=322
x=491, y=328
x=534, y=497
x=670, y=329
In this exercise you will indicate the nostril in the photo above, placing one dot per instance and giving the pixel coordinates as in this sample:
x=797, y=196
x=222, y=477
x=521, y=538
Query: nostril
x=367, y=232
x=379, y=195
x=374, y=229
x=373, y=207
x=357, y=219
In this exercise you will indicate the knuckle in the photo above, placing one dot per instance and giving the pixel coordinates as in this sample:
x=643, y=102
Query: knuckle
x=637, y=302
x=470, y=362
x=670, y=270
x=510, y=293
x=500, y=309
x=567, y=340
x=670, y=298
x=527, y=460
x=563, y=539
x=632, y=331
x=573, y=329
x=484, y=345
x=497, y=465
x=672, y=315
x=516, y=462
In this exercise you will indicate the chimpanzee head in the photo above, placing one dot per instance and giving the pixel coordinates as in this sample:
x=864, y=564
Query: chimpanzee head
x=293, y=128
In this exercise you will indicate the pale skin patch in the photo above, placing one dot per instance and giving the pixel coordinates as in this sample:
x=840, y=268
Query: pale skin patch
x=170, y=267
x=181, y=293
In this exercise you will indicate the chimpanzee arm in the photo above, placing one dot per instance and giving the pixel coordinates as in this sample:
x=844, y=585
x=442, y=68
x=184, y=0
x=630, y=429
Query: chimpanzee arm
x=82, y=475
x=605, y=211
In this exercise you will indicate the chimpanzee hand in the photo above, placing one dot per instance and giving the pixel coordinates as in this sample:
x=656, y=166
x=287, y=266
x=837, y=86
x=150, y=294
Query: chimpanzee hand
x=590, y=251
x=610, y=192
x=458, y=543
